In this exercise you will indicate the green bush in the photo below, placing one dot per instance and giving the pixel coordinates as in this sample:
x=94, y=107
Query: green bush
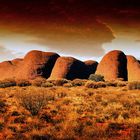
x=96, y=77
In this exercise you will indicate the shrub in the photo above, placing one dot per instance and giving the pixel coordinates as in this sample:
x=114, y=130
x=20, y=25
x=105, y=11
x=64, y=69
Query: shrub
x=47, y=84
x=41, y=137
x=58, y=82
x=96, y=77
x=1, y=126
x=133, y=85
x=68, y=85
x=33, y=102
x=78, y=82
x=7, y=83
x=23, y=83
x=20, y=119
x=111, y=84
x=2, y=106
x=91, y=84
x=38, y=82
x=15, y=113
x=47, y=118
x=121, y=84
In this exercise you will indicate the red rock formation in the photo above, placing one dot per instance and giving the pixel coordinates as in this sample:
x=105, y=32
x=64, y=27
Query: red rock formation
x=9, y=69
x=133, y=67
x=69, y=68
x=113, y=66
x=17, y=61
x=91, y=66
x=37, y=63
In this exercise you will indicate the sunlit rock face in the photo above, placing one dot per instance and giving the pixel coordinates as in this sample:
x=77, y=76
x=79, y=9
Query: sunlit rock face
x=8, y=70
x=113, y=66
x=133, y=67
x=35, y=64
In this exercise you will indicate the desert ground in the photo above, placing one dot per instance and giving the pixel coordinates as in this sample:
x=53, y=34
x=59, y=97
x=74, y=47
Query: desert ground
x=69, y=110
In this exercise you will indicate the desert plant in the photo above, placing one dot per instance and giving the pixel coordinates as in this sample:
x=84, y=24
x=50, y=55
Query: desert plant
x=38, y=82
x=23, y=83
x=68, y=85
x=121, y=84
x=2, y=106
x=91, y=84
x=111, y=84
x=78, y=82
x=1, y=126
x=58, y=82
x=33, y=102
x=7, y=83
x=96, y=77
x=133, y=85
x=47, y=84
x=41, y=137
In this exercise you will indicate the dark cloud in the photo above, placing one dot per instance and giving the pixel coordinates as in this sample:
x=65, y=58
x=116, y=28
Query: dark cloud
x=73, y=27
x=82, y=40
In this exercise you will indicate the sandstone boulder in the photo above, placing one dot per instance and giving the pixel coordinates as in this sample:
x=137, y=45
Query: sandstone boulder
x=113, y=66
x=133, y=68
x=69, y=68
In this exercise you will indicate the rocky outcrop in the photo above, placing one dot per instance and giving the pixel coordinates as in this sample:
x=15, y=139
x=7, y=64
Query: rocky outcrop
x=49, y=65
x=37, y=63
x=113, y=66
x=69, y=68
x=133, y=68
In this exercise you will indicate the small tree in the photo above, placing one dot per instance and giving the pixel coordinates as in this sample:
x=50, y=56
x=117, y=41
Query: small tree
x=96, y=77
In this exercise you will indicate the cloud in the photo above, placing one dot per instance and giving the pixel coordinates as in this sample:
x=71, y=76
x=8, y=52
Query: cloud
x=138, y=40
x=84, y=40
x=74, y=32
x=5, y=54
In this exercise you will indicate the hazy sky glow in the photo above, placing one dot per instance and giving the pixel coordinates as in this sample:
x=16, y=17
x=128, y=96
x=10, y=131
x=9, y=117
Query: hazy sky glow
x=85, y=30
